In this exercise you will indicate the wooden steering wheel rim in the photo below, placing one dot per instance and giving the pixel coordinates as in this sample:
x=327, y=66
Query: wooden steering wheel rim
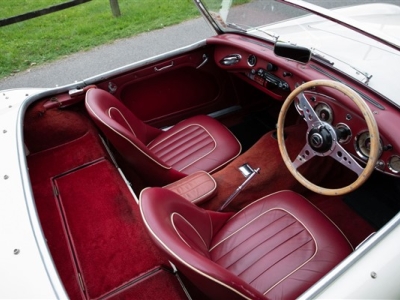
x=372, y=128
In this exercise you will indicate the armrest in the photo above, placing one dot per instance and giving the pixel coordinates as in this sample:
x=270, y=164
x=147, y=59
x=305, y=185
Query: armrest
x=196, y=187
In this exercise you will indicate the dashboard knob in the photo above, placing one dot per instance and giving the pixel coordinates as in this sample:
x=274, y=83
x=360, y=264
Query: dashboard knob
x=271, y=67
x=286, y=74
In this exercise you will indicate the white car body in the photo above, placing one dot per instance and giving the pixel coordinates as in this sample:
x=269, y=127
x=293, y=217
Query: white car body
x=27, y=269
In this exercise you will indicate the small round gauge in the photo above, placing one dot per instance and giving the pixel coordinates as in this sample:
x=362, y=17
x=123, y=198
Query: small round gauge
x=324, y=112
x=252, y=60
x=394, y=164
x=363, y=145
x=345, y=131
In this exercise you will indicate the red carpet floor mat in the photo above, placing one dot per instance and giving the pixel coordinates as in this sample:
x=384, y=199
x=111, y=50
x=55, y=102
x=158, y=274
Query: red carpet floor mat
x=104, y=226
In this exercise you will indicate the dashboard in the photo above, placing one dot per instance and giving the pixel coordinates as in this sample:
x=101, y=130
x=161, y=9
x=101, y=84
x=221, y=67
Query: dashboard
x=254, y=61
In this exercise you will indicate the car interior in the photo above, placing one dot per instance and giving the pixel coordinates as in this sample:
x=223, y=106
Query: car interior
x=167, y=180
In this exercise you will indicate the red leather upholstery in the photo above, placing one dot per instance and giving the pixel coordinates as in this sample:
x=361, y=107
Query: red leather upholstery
x=277, y=247
x=196, y=187
x=161, y=157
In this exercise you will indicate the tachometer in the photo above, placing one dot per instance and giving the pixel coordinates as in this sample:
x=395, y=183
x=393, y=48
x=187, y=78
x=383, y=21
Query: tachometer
x=363, y=145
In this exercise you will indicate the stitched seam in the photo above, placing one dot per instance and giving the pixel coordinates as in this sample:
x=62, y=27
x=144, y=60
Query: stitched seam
x=177, y=132
x=259, y=243
x=190, y=154
x=173, y=140
x=259, y=199
x=242, y=227
x=172, y=253
x=215, y=145
x=204, y=195
x=185, y=150
x=231, y=159
x=196, y=176
x=299, y=267
x=296, y=269
x=123, y=117
x=294, y=250
x=255, y=202
x=282, y=243
x=219, y=243
x=124, y=137
x=187, y=222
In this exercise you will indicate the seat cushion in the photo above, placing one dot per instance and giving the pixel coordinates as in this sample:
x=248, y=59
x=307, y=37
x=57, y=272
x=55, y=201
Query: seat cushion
x=195, y=144
x=280, y=245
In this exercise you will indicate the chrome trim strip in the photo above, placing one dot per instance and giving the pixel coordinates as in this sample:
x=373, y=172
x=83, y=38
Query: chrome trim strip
x=224, y=111
x=207, y=16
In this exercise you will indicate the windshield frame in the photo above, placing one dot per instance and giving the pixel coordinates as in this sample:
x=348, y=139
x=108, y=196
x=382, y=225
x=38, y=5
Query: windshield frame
x=313, y=9
x=206, y=14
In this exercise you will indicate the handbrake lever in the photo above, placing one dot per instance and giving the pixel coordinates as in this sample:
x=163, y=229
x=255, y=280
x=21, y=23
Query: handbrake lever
x=248, y=172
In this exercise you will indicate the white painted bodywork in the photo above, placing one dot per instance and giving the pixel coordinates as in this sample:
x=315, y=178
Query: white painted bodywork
x=26, y=267
x=370, y=272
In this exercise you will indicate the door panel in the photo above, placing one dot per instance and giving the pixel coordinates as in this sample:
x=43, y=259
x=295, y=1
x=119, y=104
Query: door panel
x=168, y=91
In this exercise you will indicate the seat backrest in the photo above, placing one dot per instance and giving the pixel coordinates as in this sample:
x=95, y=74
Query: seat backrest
x=105, y=107
x=129, y=135
x=185, y=231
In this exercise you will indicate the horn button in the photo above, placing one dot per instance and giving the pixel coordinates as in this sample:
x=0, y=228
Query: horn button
x=320, y=139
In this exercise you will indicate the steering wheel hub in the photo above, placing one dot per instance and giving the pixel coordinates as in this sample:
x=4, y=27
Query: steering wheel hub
x=320, y=139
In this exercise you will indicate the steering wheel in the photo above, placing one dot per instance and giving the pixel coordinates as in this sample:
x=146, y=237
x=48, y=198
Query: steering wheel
x=322, y=138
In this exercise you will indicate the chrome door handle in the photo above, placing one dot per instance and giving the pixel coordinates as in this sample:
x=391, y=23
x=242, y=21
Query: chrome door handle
x=205, y=59
x=231, y=59
x=163, y=68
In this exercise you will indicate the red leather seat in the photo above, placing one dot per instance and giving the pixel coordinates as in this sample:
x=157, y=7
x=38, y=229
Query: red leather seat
x=161, y=157
x=275, y=248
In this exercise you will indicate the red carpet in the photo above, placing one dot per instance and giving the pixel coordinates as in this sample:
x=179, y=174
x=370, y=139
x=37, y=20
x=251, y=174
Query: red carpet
x=93, y=227
x=108, y=239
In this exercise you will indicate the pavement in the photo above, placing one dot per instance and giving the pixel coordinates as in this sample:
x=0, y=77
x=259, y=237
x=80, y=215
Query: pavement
x=86, y=64
x=122, y=52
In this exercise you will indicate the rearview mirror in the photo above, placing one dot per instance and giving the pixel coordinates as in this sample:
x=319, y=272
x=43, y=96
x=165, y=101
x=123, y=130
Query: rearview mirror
x=293, y=52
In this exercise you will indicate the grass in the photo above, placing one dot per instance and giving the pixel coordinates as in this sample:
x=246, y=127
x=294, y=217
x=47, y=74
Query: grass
x=79, y=28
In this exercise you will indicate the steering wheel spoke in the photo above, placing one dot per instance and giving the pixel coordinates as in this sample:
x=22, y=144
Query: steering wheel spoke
x=309, y=114
x=342, y=156
x=305, y=155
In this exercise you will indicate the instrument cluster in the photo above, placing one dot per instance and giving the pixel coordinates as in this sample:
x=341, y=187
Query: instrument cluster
x=277, y=77
x=358, y=143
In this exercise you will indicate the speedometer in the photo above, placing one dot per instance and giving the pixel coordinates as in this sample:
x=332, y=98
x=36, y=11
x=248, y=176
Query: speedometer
x=324, y=112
